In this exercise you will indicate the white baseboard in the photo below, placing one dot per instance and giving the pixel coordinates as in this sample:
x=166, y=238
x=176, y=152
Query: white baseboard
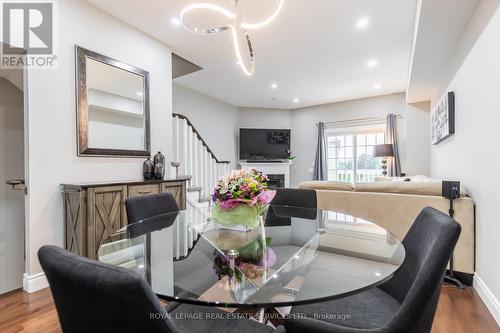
x=487, y=296
x=34, y=282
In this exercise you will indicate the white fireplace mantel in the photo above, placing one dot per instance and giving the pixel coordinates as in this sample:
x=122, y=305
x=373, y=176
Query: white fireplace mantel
x=274, y=168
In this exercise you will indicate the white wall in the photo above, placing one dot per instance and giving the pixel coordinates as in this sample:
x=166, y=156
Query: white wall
x=215, y=120
x=471, y=155
x=304, y=130
x=418, y=139
x=52, y=117
x=264, y=118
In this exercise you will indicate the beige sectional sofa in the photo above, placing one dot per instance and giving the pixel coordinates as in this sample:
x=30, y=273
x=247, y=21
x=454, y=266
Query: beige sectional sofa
x=394, y=205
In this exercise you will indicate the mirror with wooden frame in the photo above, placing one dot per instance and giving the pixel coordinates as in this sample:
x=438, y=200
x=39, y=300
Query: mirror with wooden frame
x=112, y=107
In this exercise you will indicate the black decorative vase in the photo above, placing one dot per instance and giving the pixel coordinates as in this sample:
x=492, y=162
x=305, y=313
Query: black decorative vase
x=159, y=159
x=159, y=171
x=148, y=168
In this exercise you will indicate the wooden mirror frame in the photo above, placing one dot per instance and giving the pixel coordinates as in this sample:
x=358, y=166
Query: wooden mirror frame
x=82, y=105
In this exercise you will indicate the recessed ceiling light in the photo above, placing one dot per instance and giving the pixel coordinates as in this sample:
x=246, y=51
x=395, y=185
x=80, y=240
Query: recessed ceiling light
x=139, y=93
x=175, y=21
x=296, y=100
x=377, y=86
x=274, y=85
x=372, y=63
x=362, y=22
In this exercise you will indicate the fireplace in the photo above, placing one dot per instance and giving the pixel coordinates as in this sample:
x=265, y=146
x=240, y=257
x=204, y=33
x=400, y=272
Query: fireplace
x=276, y=181
x=278, y=172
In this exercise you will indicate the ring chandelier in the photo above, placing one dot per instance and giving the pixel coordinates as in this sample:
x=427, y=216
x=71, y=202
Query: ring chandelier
x=234, y=26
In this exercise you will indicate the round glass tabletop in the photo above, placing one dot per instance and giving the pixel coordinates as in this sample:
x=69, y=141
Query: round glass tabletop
x=295, y=256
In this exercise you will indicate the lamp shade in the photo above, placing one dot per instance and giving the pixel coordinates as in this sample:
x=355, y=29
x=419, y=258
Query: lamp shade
x=384, y=150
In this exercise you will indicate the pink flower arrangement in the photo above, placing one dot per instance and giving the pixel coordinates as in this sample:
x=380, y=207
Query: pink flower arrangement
x=248, y=187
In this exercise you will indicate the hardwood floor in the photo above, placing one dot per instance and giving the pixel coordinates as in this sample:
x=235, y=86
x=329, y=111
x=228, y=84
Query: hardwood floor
x=459, y=311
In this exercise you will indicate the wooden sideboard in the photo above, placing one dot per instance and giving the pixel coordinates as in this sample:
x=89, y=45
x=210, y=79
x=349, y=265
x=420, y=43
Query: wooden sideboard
x=94, y=211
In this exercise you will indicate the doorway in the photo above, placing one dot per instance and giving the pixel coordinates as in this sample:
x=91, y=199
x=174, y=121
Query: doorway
x=12, y=188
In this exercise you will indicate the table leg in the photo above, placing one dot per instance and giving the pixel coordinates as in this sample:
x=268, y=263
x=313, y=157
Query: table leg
x=262, y=315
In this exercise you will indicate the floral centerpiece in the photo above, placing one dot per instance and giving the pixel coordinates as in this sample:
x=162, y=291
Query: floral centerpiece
x=254, y=259
x=241, y=198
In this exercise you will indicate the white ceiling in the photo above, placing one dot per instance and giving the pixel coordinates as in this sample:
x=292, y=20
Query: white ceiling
x=440, y=48
x=312, y=50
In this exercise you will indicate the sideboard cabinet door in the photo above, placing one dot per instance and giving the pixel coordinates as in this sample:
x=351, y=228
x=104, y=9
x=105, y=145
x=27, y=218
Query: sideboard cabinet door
x=76, y=222
x=178, y=190
x=105, y=214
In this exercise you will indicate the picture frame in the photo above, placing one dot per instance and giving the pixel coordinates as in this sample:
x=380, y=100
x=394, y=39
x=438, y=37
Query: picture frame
x=443, y=118
x=106, y=105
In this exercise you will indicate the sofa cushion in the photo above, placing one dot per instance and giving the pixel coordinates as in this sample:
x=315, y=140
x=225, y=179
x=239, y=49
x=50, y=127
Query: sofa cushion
x=391, y=179
x=327, y=185
x=419, y=188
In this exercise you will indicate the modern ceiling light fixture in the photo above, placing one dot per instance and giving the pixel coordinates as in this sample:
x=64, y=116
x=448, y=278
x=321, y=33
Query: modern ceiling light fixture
x=237, y=29
x=362, y=22
x=175, y=21
x=372, y=63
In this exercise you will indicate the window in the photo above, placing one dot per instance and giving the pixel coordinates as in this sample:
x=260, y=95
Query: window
x=350, y=153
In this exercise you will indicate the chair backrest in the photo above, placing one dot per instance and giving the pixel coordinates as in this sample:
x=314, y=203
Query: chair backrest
x=94, y=297
x=146, y=206
x=417, y=284
x=290, y=197
x=295, y=197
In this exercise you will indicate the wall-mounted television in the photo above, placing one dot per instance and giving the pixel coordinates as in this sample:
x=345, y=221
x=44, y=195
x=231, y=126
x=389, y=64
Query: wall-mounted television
x=264, y=144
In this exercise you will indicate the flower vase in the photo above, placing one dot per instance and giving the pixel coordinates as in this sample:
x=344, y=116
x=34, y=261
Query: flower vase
x=241, y=218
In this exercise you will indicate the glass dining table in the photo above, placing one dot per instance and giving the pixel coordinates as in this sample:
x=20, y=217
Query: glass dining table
x=296, y=256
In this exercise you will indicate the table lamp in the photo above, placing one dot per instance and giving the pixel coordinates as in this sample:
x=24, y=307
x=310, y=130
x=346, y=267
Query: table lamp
x=383, y=151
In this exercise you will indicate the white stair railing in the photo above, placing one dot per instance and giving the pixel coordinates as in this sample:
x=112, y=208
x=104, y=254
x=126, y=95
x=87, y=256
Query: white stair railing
x=195, y=157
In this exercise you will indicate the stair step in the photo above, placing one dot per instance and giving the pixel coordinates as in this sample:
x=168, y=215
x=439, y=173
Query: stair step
x=205, y=199
x=194, y=189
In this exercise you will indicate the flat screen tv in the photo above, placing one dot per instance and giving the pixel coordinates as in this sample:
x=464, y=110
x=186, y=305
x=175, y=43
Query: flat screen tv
x=264, y=144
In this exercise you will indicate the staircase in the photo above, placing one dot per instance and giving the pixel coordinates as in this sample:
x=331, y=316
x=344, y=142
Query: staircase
x=195, y=158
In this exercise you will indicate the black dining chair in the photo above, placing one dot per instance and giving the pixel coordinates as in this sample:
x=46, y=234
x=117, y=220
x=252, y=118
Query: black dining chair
x=407, y=302
x=150, y=205
x=293, y=197
x=95, y=297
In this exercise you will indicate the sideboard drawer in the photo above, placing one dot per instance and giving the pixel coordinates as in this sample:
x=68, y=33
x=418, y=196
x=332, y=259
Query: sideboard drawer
x=138, y=190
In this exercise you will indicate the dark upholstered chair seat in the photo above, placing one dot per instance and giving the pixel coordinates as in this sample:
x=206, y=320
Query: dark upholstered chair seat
x=369, y=309
x=95, y=297
x=405, y=303
x=205, y=324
